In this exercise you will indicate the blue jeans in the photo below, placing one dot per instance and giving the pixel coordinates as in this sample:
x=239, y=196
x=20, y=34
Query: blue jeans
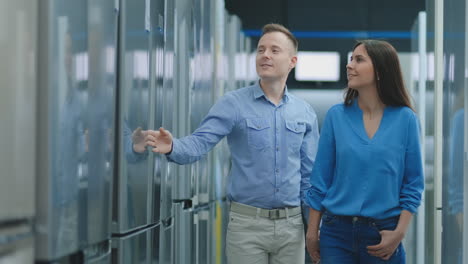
x=344, y=240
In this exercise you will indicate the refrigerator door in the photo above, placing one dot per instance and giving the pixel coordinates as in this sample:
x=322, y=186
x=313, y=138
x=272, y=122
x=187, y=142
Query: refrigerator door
x=157, y=103
x=102, y=37
x=183, y=235
x=155, y=246
x=76, y=121
x=16, y=245
x=17, y=115
x=221, y=164
x=18, y=71
x=141, y=247
x=166, y=242
x=203, y=233
x=132, y=196
x=206, y=48
x=184, y=82
x=201, y=95
x=168, y=169
x=104, y=259
x=63, y=138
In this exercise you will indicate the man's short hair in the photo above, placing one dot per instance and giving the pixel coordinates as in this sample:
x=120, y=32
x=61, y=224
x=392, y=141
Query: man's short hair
x=272, y=27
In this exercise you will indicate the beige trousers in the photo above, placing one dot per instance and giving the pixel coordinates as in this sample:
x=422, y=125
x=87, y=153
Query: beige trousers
x=257, y=240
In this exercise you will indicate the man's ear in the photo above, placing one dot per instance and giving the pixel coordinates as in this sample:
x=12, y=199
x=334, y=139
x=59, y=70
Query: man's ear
x=293, y=62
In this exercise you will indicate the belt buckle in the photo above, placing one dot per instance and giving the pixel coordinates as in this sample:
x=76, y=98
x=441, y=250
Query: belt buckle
x=274, y=214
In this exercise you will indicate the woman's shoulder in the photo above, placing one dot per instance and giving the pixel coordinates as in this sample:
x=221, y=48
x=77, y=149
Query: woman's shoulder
x=403, y=115
x=337, y=108
x=403, y=111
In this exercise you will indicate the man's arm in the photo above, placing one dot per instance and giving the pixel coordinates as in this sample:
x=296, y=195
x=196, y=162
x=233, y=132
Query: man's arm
x=217, y=124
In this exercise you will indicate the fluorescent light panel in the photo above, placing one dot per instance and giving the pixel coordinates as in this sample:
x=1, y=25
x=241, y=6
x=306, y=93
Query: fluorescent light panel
x=318, y=66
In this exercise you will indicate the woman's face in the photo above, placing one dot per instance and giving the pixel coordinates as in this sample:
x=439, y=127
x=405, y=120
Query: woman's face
x=360, y=70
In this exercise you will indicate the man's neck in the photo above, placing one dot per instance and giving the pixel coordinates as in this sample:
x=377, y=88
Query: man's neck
x=274, y=90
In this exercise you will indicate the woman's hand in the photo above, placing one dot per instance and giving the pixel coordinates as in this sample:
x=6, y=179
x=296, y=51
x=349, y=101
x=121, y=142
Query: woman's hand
x=312, y=236
x=388, y=244
x=312, y=243
x=391, y=239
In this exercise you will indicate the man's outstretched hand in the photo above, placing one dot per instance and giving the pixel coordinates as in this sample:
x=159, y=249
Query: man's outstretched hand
x=160, y=140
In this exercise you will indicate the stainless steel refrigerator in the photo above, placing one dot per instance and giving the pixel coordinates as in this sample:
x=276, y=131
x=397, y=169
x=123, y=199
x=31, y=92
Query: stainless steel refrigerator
x=202, y=75
x=17, y=115
x=75, y=139
x=137, y=185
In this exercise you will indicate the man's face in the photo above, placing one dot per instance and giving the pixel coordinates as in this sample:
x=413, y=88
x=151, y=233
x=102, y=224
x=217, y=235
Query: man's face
x=275, y=56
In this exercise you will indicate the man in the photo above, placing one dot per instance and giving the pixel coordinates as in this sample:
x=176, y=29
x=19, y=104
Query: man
x=273, y=138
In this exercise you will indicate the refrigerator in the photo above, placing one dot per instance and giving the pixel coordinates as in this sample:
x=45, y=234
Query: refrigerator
x=197, y=200
x=137, y=184
x=168, y=170
x=18, y=73
x=184, y=180
x=76, y=127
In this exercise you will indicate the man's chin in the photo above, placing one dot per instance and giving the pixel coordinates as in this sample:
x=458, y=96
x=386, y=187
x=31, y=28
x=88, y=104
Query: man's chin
x=269, y=78
x=266, y=76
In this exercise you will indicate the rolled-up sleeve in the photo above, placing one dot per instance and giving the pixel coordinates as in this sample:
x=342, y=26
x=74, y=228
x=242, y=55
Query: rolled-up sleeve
x=324, y=167
x=413, y=178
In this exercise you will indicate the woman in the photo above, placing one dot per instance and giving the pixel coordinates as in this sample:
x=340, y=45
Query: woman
x=368, y=178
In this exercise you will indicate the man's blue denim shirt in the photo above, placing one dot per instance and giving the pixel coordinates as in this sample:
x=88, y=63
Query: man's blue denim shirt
x=272, y=147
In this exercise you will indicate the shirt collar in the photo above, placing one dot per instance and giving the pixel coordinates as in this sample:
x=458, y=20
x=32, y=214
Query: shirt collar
x=258, y=92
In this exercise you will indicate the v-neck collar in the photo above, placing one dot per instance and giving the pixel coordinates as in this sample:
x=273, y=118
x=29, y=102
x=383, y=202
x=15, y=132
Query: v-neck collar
x=358, y=124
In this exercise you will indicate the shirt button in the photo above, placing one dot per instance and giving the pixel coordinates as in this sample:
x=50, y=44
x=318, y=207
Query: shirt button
x=277, y=170
x=277, y=190
x=277, y=148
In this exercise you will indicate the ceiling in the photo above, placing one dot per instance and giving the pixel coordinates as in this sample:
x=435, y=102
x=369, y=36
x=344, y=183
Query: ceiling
x=342, y=21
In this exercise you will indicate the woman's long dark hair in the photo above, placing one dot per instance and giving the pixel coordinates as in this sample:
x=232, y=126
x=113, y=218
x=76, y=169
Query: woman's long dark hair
x=388, y=77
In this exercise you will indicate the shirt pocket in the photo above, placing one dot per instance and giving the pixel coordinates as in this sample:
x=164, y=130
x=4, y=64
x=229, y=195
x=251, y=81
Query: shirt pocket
x=258, y=132
x=295, y=133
